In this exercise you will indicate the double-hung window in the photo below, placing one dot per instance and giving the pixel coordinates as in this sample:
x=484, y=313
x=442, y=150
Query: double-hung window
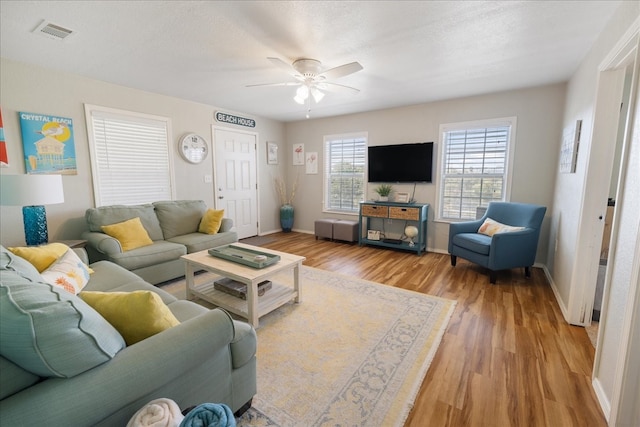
x=344, y=172
x=130, y=161
x=475, y=166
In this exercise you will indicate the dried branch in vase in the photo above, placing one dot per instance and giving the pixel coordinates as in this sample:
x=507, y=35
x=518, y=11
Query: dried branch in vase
x=281, y=188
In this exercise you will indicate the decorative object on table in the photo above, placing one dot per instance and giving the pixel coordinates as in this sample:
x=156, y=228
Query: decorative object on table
x=411, y=231
x=48, y=144
x=383, y=190
x=298, y=154
x=373, y=234
x=272, y=153
x=193, y=148
x=238, y=289
x=286, y=208
x=4, y=157
x=245, y=256
x=311, y=163
x=402, y=198
x=569, y=149
x=32, y=192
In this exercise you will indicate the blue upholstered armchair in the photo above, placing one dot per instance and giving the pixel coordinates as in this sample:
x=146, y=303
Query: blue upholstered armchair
x=505, y=249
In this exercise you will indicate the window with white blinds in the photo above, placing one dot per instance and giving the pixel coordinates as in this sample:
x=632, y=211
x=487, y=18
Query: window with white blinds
x=344, y=169
x=129, y=156
x=474, y=166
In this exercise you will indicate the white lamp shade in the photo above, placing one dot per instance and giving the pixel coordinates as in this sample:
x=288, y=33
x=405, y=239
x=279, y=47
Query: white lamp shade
x=28, y=190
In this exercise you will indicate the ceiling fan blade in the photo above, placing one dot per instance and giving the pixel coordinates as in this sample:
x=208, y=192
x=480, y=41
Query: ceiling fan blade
x=337, y=88
x=286, y=67
x=342, y=70
x=280, y=63
x=276, y=84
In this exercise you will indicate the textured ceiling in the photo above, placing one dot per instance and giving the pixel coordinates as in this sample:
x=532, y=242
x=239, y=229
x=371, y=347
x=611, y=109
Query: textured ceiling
x=209, y=51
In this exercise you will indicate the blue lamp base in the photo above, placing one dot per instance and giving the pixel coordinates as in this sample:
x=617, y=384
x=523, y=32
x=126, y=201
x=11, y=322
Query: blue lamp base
x=35, y=225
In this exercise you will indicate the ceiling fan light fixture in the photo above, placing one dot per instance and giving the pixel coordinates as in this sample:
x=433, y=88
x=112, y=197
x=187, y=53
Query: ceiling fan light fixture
x=317, y=95
x=301, y=95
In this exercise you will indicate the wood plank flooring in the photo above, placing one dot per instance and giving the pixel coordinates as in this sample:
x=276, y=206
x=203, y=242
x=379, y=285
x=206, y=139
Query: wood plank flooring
x=508, y=358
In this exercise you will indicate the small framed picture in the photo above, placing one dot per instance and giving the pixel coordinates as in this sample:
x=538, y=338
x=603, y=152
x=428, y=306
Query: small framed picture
x=402, y=197
x=298, y=154
x=272, y=153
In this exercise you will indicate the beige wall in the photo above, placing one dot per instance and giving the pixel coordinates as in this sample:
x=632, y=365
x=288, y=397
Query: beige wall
x=539, y=114
x=570, y=188
x=37, y=90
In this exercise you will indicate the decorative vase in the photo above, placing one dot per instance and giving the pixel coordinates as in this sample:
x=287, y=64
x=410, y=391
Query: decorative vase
x=383, y=198
x=411, y=231
x=286, y=217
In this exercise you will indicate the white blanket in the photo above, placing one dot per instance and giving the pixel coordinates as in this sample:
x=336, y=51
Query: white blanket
x=157, y=413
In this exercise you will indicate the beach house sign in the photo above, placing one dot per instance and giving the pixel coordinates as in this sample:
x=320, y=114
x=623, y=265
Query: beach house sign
x=235, y=120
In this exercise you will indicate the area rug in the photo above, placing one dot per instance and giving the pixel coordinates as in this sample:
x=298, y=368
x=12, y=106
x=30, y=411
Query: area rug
x=258, y=240
x=353, y=352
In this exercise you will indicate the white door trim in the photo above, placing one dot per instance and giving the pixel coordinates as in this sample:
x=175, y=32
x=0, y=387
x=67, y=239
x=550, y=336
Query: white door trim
x=621, y=405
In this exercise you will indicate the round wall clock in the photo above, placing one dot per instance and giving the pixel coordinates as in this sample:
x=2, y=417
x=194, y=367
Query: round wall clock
x=193, y=148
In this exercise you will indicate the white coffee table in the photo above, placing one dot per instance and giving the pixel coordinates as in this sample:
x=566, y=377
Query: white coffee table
x=253, y=307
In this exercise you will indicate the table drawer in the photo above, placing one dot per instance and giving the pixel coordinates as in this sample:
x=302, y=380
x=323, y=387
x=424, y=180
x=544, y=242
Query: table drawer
x=404, y=213
x=376, y=211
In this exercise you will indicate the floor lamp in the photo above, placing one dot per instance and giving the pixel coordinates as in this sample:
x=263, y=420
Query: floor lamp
x=32, y=192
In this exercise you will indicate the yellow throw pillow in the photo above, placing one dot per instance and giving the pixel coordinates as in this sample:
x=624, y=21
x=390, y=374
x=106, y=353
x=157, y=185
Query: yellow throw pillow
x=131, y=234
x=491, y=227
x=211, y=221
x=41, y=256
x=135, y=315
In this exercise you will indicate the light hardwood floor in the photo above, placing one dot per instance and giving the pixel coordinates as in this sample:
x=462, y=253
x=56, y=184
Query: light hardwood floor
x=507, y=358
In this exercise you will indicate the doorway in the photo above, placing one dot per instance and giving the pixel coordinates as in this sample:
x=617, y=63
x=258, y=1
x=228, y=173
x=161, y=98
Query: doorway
x=612, y=196
x=235, y=185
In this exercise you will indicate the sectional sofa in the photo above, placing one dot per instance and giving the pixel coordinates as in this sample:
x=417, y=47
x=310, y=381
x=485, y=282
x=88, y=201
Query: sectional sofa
x=173, y=228
x=63, y=364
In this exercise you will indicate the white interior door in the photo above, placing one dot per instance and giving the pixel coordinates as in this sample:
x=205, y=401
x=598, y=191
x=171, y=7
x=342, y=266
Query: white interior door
x=236, y=178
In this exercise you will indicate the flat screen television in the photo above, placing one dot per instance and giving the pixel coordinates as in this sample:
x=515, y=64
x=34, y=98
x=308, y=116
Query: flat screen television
x=401, y=162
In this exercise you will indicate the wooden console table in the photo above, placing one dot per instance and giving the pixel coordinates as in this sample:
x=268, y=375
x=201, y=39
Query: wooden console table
x=412, y=213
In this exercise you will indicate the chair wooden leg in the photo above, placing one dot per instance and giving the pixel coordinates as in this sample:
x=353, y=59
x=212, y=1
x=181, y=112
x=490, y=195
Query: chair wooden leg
x=527, y=272
x=453, y=260
x=493, y=275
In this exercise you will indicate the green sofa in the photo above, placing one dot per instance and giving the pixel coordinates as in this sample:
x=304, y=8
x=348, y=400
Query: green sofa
x=62, y=364
x=173, y=227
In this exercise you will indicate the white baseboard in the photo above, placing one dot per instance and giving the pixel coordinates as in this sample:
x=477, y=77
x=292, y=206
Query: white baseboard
x=605, y=405
x=554, y=288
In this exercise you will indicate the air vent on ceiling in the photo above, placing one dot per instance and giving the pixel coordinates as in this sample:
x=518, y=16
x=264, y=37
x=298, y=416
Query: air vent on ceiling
x=53, y=31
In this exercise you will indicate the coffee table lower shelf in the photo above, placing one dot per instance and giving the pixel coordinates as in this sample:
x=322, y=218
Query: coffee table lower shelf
x=275, y=297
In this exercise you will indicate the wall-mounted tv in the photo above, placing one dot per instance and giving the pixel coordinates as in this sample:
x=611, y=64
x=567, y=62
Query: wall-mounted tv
x=401, y=162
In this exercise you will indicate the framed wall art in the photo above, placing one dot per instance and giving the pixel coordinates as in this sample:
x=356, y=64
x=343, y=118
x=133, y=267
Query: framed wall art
x=4, y=157
x=569, y=149
x=298, y=154
x=272, y=153
x=48, y=144
x=311, y=163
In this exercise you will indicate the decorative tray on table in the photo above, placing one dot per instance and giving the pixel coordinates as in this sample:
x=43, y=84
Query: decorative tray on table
x=250, y=257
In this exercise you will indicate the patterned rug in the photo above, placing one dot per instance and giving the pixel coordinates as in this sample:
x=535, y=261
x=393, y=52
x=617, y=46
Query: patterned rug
x=258, y=240
x=351, y=353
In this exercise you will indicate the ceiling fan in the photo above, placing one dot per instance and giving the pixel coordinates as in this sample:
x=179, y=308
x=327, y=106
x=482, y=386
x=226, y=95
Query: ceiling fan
x=312, y=80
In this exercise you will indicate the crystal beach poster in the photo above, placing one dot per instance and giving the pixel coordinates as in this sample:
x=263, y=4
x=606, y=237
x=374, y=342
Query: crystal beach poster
x=48, y=144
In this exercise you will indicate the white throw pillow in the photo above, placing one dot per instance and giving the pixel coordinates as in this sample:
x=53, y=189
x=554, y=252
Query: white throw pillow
x=68, y=272
x=490, y=227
